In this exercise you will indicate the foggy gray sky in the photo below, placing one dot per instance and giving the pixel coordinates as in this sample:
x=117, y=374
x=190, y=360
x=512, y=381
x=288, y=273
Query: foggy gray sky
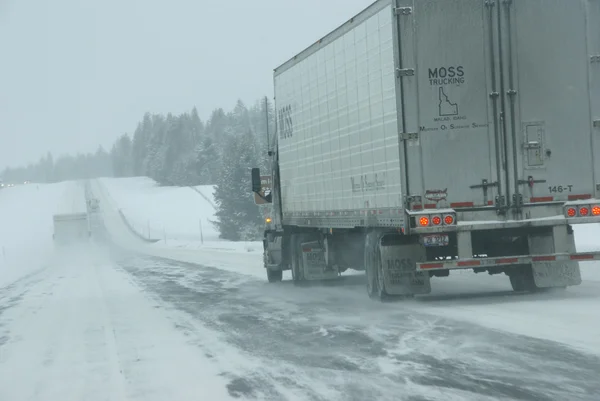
x=75, y=74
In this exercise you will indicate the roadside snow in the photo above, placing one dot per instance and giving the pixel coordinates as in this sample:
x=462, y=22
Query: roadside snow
x=26, y=225
x=180, y=214
x=159, y=204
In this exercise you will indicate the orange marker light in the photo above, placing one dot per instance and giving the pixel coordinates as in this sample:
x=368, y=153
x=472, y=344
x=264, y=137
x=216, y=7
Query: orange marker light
x=596, y=210
x=424, y=221
x=584, y=211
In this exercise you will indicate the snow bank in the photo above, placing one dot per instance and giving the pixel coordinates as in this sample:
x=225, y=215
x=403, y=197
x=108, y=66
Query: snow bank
x=141, y=200
x=179, y=214
x=26, y=225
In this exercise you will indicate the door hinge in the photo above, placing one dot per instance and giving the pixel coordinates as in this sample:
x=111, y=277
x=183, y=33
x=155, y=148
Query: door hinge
x=596, y=124
x=405, y=72
x=595, y=59
x=403, y=10
x=409, y=136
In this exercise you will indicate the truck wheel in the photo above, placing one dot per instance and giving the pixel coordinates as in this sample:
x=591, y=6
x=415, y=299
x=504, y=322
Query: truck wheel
x=521, y=279
x=274, y=276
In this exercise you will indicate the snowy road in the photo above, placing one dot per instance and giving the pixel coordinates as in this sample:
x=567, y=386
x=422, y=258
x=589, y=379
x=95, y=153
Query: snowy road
x=79, y=330
x=124, y=320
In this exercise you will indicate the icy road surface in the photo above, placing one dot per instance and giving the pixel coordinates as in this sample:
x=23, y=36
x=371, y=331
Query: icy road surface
x=330, y=343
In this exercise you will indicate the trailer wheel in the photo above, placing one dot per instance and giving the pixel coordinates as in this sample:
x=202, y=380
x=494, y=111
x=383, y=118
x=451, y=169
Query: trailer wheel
x=274, y=276
x=521, y=279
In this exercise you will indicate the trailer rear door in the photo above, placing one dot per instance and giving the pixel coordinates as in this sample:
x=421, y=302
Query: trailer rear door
x=593, y=26
x=548, y=98
x=447, y=43
x=503, y=97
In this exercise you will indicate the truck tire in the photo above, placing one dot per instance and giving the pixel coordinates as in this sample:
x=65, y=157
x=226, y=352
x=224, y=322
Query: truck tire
x=521, y=279
x=274, y=276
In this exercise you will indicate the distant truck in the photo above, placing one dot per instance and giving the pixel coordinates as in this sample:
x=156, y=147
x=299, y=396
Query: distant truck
x=71, y=228
x=93, y=204
x=423, y=137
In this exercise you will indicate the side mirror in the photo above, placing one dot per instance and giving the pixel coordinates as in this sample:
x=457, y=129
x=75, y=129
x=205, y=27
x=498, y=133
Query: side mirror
x=256, y=184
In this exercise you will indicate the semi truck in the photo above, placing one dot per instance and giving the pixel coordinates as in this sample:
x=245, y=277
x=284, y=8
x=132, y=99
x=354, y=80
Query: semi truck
x=72, y=228
x=424, y=137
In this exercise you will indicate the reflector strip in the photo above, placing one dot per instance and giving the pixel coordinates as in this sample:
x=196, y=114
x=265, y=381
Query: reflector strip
x=580, y=197
x=431, y=206
x=543, y=258
x=540, y=199
x=582, y=257
x=507, y=261
x=462, y=204
x=432, y=266
x=417, y=207
x=469, y=263
x=306, y=249
x=490, y=203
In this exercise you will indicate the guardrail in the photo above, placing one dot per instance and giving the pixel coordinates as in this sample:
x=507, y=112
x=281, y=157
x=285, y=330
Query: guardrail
x=134, y=231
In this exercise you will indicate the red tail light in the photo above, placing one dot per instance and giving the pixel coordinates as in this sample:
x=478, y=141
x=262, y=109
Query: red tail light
x=436, y=220
x=571, y=212
x=449, y=219
x=584, y=211
x=424, y=221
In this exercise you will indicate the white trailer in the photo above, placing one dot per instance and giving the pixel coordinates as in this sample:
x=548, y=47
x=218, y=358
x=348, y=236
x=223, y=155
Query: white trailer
x=426, y=136
x=71, y=228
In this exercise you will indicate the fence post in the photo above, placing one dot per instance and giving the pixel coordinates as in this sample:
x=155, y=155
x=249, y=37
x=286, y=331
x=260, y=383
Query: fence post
x=201, y=233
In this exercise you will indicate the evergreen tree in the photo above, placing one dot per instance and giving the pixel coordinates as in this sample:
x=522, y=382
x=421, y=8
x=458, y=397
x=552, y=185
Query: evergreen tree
x=237, y=212
x=121, y=156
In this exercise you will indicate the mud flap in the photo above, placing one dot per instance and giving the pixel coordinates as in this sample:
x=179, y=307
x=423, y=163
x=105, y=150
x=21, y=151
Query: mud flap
x=315, y=267
x=556, y=274
x=399, y=266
